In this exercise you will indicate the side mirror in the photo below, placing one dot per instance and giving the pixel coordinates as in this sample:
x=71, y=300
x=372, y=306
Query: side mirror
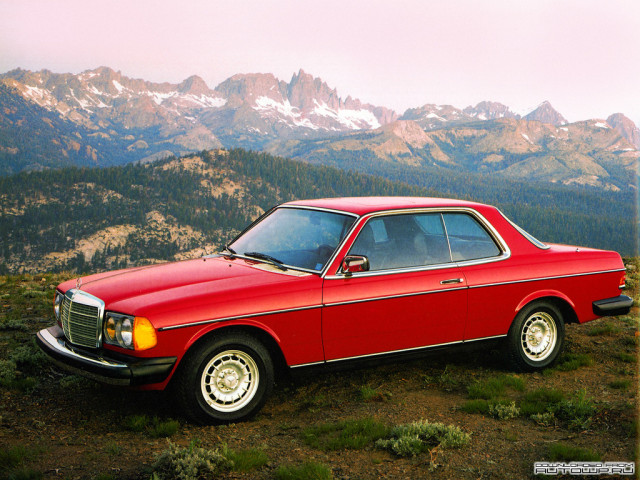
x=355, y=263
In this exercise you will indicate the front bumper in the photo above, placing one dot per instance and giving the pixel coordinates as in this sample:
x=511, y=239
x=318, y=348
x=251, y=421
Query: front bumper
x=613, y=306
x=103, y=366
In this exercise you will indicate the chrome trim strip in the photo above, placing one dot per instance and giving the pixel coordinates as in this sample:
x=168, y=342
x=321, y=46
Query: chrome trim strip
x=457, y=342
x=392, y=271
x=387, y=297
x=484, y=338
x=546, y=278
x=58, y=344
x=394, y=351
x=321, y=209
x=238, y=317
x=321, y=362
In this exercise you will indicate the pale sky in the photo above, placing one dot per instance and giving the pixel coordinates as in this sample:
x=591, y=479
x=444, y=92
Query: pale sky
x=581, y=55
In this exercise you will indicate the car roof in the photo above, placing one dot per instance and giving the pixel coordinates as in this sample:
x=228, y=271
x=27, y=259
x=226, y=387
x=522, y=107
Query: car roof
x=366, y=205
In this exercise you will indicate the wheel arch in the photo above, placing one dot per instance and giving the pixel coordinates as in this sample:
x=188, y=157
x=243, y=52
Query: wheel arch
x=558, y=299
x=263, y=336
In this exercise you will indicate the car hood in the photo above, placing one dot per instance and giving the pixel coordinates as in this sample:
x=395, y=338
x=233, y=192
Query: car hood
x=205, y=288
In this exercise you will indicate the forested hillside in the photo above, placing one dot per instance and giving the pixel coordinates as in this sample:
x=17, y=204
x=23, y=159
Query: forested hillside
x=95, y=218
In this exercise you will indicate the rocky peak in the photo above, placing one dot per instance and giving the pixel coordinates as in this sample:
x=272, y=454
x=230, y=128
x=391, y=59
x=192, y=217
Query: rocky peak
x=246, y=88
x=490, y=111
x=545, y=113
x=304, y=90
x=626, y=128
x=194, y=85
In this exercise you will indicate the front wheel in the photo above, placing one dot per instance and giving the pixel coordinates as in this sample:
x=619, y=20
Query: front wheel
x=225, y=380
x=536, y=337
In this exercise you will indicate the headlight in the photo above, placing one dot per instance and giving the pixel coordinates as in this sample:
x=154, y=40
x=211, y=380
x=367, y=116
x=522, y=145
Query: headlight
x=129, y=332
x=110, y=329
x=124, y=332
x=57, y=303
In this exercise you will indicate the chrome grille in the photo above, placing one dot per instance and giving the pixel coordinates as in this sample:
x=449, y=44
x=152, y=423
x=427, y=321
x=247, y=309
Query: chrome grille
x=81, y=318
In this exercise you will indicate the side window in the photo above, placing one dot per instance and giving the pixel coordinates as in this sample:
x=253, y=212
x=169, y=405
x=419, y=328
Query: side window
x=468, y=239
x=403, y=241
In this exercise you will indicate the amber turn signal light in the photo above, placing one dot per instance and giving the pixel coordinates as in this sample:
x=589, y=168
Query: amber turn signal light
x=144, y=335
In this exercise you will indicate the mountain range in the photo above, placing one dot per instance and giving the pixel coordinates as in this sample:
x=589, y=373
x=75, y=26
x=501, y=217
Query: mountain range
x=101, y=117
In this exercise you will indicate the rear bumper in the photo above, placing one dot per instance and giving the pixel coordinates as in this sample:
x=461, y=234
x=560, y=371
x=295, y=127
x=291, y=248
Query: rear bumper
x=613, y=306
x=103, y=366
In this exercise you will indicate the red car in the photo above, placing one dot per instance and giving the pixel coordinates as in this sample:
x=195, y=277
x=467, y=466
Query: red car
x=321, y=281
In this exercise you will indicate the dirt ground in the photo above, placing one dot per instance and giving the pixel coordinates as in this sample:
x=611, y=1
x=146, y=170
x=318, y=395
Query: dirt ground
x=72, y=428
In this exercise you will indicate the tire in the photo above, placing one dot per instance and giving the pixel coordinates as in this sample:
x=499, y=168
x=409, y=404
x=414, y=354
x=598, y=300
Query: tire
x=224, y=380
x=536, y=337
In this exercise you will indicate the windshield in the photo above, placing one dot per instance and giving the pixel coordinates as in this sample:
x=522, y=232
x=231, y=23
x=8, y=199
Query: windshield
x=295, y=237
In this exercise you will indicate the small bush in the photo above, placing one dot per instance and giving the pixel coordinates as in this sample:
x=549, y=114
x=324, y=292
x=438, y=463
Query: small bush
x=573, y=361
x=307, y=471
x=603, y=329
x=547, y=419
x=476, y=406
x=414, y=438
x=626, y=357
x=12, y=461
x=164, y=429
x=29, y=358
x=189, y=463
x=349, y=434
x=135, y=423
x=504, y=411
x=246, y=460
x=621, y=384
x=560, y=452
x=577, y=411
x=541, y=400
x=370, y=394
x=495, y=387
x=8, y=372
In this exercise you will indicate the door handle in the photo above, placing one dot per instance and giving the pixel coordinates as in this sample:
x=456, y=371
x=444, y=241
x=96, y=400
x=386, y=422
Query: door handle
x=451, y=280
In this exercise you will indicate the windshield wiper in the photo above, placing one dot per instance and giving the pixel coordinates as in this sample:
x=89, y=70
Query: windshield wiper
x=230, y=250
x=263, y=256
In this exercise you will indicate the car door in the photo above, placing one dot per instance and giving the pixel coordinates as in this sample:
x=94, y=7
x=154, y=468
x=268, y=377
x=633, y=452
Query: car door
x=413, y=295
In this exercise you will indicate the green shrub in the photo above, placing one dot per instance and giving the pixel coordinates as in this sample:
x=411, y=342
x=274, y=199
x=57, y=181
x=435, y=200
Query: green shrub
x=164, y=428
x=189, y=463
x=307, y=471
x=8, y=372
x=247, y=459
x=29, y=358
x=476, y=406
x=560, y=452
x=370, y=394
x=349, y=434
x=603, y=329
x=417, y=437
x=573, y=361
x=495, y=387
x=577, y=411
x=547, y=419
x=135, y=423
x=541, y=400
x=504, y=411
x=626, y=357
x=621, y=384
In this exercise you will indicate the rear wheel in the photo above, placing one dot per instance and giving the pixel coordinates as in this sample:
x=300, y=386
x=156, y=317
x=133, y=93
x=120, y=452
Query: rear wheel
x=536, y=337
x=225, y=380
